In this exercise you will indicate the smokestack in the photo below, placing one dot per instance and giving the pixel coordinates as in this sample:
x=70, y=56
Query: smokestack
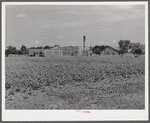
x=84, y=38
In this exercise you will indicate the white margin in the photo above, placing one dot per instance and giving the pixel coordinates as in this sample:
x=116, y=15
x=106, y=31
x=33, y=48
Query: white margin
x=71, y=115
x=75, y=3
x=146, y=60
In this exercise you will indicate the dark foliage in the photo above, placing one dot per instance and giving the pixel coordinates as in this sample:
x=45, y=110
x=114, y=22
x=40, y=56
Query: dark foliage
x=23, y=50
x=97, y=51
x=10, y=50
x=137, y=52
x=124, y=45
x=47, y=47
x=101, y=48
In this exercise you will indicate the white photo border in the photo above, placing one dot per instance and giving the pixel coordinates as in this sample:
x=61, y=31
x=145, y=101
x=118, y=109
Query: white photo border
x=72, y=115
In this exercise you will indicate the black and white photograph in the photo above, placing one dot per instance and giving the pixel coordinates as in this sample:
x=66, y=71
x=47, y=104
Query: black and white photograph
x=75, y=61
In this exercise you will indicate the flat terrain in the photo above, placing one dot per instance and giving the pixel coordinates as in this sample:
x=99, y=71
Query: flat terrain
x=105, y=82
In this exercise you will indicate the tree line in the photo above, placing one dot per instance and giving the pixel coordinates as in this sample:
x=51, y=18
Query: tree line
x=124, y=47
x=23, y=50
x=12, y=50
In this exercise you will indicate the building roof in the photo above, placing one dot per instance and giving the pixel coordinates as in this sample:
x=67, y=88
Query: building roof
x=36, y=50
x=69, y=48
x=54, y=48
x=111, y=48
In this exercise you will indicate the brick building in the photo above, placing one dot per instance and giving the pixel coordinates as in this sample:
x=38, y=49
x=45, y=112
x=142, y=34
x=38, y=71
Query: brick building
x=59, y=51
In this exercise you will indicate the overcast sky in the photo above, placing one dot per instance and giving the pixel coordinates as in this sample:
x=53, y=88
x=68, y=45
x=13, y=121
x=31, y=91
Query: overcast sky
x=66, y=25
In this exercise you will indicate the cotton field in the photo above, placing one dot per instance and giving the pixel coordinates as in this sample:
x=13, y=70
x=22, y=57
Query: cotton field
x=104, y=82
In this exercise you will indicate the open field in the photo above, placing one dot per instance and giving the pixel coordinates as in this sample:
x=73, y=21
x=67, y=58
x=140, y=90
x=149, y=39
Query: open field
x=105, y=82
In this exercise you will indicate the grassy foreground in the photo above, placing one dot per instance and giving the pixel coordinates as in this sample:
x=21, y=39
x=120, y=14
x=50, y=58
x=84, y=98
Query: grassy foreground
x=105, y=82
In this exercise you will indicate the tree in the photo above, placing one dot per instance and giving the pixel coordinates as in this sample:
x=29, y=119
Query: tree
x=10, y=50
x=124, y=45
x=56, y=45
x=142, y=47
x=10, y=47
x=137, y=49
x=20, y=52
x=7, y=52
x=97, y=51
x=32, y=47
x=39, y=47
x=23, y=50
x=137, y=52
x=137, y=46
x=134, y=45
x=47, y=47
x=121, y=52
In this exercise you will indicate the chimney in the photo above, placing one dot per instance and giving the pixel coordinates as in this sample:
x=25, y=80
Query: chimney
x=84, y=38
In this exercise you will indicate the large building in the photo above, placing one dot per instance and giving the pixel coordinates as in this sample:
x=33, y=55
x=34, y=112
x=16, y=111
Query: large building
x=63, y=51
x=36, y=52
x=60, y=51
x=52, y=52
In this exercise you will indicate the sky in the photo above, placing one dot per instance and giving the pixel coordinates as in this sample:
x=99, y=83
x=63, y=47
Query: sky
x=65, y=25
